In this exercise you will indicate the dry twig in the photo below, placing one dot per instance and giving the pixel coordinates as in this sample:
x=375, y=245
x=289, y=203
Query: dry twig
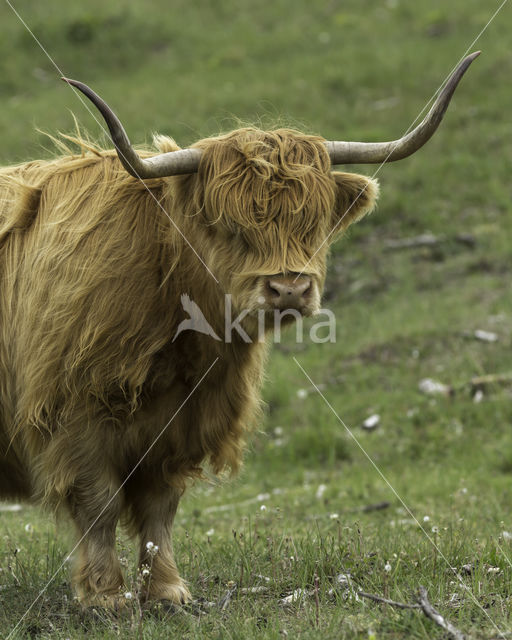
x=317, y=602
x=428, y=240
x=391, y=603
x=436, y=617
x=481, y=382
x=226, y=598
x=423, y=605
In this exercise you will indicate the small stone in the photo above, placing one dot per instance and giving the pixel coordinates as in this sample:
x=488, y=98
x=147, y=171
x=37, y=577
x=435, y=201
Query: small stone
x=433, y=387
x=372, y=422
x=478, y=397
x=485, y=336
x=297, y=595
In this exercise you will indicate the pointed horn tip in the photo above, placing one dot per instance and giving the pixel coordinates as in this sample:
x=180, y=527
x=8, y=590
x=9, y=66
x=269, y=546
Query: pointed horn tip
x=473, y=55
x=70, y=81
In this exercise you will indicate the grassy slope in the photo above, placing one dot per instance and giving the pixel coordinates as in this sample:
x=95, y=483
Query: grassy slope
x=347, y=70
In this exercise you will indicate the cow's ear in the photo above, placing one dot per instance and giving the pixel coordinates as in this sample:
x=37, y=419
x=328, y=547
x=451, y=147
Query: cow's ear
x=356, y=196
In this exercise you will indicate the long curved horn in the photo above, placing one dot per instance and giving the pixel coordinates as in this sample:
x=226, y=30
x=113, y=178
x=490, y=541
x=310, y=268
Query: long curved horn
x=159, y=166
x=376, y=152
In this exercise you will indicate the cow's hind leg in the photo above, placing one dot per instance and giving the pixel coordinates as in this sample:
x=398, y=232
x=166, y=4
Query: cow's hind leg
x=95, y=509
x=152, y=514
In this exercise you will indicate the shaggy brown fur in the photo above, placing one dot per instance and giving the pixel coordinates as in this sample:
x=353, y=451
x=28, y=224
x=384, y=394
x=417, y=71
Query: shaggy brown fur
x=91, y=273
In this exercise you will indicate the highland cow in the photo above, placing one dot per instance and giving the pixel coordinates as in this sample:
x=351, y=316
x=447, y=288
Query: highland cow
x=102, y=412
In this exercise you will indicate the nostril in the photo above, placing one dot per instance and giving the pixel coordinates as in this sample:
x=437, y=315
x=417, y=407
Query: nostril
x=272, y=290
x=303, y=289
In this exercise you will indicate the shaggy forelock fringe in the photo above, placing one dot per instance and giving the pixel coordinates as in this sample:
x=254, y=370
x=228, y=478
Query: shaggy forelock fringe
x=273, y=188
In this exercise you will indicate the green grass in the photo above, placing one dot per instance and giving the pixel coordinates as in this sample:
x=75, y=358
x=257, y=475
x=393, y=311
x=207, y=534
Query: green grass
x=347, y=70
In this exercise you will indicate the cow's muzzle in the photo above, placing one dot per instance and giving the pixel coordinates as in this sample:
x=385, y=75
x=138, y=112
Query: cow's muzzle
x=289, y=291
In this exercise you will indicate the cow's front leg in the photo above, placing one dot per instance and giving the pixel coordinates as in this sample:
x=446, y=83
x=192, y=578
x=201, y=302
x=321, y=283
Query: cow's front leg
x=95, y=509
x=153, y=514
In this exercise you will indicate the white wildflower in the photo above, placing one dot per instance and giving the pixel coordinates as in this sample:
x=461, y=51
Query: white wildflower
x=128, y=595
x=320, y=491
x=152, y=548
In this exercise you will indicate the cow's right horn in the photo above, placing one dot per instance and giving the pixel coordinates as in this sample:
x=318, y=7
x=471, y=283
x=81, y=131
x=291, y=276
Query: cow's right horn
x=159, y=166
x=377, y=152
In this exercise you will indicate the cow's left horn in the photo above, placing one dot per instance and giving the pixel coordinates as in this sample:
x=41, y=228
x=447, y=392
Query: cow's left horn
x=159, y=166
x=375, y=152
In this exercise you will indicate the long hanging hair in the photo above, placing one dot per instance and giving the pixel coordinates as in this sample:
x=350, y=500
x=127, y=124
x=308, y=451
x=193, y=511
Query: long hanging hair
x=87, y=259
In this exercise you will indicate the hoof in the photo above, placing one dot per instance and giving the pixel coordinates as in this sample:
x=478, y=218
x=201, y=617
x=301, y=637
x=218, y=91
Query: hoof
x=111, y=605
x=112, y=602
x=170, y=595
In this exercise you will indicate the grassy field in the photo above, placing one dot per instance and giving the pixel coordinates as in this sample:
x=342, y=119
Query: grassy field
x=284, y=536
